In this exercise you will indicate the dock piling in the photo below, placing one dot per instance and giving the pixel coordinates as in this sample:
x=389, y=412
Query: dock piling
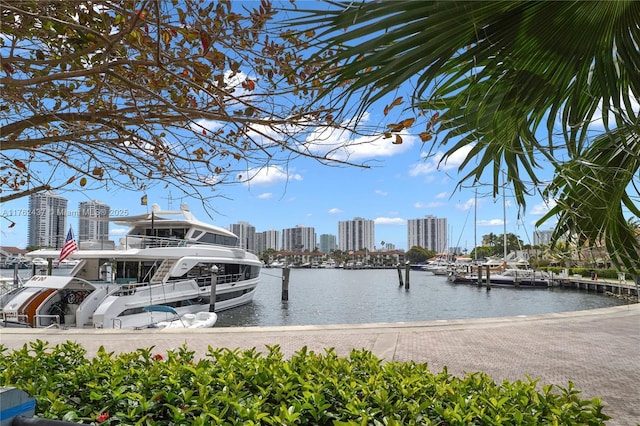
x=488, y=278
x=400, y=283
x=285, y=283
x=407, y=269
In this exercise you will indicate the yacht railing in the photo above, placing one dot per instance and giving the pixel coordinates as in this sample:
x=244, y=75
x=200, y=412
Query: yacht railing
x=146, y=241
x=127, y=289
x=221, y=279
x=38, y=320
x=12, y=316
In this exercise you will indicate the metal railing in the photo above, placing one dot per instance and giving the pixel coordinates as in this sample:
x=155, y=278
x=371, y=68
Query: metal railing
x=147, y=241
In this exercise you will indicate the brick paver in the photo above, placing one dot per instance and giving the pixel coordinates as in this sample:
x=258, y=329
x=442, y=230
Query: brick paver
x=598, y=350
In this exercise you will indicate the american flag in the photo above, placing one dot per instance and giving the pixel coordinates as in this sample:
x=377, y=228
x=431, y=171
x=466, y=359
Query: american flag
x=69, y=246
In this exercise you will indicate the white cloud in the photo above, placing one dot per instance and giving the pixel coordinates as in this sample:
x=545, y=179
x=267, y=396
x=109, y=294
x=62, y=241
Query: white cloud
x=468, y=205
x=542, y=208
x=265, y=196
x=381, y=193
x=205, y=124
x=394, y=221
x=490, y=222
x=342, y=144
x=431, y=164
x=442, y=195
x=335, y=210
x=433, y=204
x=269, y=175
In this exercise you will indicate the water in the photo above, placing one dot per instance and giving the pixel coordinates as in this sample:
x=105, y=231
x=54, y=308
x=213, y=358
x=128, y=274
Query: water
x=337, y=296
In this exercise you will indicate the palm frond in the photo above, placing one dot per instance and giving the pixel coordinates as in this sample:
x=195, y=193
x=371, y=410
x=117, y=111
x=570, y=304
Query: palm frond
x=519, y=82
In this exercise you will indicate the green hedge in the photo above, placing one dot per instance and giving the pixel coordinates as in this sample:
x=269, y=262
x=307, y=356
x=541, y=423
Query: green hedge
x=610, y=274
x=233, y=387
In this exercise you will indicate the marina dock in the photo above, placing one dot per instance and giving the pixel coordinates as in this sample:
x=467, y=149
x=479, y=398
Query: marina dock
x=621, y=288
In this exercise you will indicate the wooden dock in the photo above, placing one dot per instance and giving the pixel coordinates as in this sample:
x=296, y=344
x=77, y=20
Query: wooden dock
x=621, y=288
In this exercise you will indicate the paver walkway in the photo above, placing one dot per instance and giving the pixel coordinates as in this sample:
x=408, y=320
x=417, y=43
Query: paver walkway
x=597, y=350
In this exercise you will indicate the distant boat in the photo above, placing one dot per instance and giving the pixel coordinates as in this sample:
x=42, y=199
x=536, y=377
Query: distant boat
x=67, y=263
x=38, y=261
x=330, y=263
x=526, y=278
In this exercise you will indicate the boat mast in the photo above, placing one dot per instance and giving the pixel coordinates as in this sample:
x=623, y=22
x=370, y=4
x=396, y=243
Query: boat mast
x=504, y=221
x=475, y=226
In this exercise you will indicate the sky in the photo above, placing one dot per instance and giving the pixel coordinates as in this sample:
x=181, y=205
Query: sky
x=402, y=183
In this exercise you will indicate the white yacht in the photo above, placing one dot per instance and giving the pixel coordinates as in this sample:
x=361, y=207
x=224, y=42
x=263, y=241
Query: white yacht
x=168, y=258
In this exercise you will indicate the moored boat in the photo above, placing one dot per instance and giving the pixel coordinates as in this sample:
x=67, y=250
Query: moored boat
x=167, y=258
x=509, y=277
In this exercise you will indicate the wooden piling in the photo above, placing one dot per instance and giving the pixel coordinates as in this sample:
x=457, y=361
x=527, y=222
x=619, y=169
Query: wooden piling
x=407, y=269
x=400, y=283
x=488, y=278
x=479, y=275
x=285, y=283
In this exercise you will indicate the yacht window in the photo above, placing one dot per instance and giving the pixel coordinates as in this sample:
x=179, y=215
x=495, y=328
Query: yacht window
x=224, y=240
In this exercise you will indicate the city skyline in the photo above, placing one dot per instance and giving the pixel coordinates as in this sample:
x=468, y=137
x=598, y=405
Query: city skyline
x=388, y=229
x=432, y=239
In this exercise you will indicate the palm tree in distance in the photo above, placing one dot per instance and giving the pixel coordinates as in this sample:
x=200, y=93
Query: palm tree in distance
x=512, y=85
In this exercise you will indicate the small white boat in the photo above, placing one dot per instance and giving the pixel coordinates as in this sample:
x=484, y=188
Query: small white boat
x=202, y=319
x=38, y=261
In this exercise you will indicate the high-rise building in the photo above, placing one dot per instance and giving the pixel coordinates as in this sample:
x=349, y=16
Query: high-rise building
x=267, y=240
x=429, y=233
x=542, y=238
x=246, y=235
x=47, y=220
x=356, y=234
x=93, y=221
x=300, y=238
x=327, y=243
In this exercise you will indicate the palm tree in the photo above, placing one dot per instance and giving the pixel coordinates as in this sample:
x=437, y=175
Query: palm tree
x=514, y=83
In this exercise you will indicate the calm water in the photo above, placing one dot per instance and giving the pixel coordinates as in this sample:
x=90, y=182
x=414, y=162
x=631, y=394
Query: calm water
x=336, y=296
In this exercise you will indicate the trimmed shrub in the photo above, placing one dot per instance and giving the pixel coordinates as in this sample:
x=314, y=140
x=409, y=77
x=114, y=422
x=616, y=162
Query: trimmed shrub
x=249, y=387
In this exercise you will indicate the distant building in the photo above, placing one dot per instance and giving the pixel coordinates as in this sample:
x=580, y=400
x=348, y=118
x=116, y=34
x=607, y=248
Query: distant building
x=93, y=221
x=542, y=238
x=300, y=238
x=327, y=243
x=356, y=234
x=47, y=220
x=11, y=256
x=246, y=235
x=429, y=233
x=267, y=240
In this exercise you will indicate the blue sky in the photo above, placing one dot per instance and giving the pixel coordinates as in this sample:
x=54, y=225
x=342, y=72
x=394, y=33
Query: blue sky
x=401, y=184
